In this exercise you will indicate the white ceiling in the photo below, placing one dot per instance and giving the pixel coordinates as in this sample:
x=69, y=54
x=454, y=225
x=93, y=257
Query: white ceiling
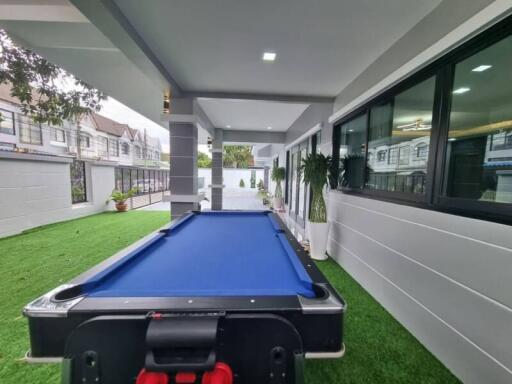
x=251, y=115
x=215, y=46
x=321, y=45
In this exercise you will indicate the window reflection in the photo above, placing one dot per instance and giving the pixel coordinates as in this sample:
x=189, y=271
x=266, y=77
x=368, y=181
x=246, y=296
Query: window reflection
x=399, y=139
x=479, y=152
x=352, y=151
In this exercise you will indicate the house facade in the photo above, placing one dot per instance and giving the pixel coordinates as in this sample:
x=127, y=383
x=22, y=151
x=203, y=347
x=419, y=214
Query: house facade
x=54, y=173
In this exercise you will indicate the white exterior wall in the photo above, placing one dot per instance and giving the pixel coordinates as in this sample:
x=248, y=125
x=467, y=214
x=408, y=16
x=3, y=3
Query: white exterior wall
x=231, y=177
x=445, y=278
x=38, y=192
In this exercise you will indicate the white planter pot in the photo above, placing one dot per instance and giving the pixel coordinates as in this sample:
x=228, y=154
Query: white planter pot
x=278, y=203
x=318, y=234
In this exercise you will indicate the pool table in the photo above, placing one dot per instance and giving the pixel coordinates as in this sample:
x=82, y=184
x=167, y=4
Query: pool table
x=216, y=297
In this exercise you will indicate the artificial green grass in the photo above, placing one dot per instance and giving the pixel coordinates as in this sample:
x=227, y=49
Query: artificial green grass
x=40, y=259
x=379, y=349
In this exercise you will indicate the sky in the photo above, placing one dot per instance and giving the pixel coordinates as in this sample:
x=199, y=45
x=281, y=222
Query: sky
x=119, y=112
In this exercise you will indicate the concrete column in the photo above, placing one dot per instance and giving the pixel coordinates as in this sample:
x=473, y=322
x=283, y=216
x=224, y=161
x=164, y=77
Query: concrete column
x=183, y=159
x=217, y=179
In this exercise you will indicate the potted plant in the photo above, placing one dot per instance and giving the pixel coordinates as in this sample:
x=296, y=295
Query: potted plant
x=278, y=175
x=120, y=198
x=315, y=170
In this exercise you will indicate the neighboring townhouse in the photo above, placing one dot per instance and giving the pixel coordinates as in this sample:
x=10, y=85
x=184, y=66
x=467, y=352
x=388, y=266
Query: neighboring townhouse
x=97, y=137
x=53, y=173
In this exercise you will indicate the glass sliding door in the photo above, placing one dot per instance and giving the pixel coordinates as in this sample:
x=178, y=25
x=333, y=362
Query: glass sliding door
x=297, y=190
x=301, y=208
x=293, y=178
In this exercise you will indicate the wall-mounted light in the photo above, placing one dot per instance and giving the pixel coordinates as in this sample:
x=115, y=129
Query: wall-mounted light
x=269, y=56
x=167, y=104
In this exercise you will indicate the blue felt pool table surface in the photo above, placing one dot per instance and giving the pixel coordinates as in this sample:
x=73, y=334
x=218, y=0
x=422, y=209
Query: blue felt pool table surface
x=210, y=254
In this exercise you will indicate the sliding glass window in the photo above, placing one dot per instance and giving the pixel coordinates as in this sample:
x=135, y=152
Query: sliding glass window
x=399, y=140
x=441, y=139
x=479, y=143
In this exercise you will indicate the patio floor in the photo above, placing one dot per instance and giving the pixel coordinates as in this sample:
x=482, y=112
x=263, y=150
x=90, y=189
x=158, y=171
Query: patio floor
x=379, y=349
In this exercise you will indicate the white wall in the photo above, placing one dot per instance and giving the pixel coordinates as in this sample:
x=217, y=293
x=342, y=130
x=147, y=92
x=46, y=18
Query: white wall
x=446, y=278
x=38, y=191
x=231, y=177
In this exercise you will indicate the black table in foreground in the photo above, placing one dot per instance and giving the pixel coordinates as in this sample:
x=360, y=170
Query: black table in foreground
x=218, y=297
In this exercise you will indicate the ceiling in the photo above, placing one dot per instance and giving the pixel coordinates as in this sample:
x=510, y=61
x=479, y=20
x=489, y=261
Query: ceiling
x=321, y=45
x=135, y=50
x=251, y=115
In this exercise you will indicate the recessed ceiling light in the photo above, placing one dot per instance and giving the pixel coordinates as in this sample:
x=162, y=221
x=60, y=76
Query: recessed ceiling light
x=269, y=56
x=481, y=68
x=269, y=127
x=461, y=90
x=228, y=126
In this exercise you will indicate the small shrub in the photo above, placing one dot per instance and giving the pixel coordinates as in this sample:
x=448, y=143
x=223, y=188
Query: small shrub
x=261, y=186
x=242, y=183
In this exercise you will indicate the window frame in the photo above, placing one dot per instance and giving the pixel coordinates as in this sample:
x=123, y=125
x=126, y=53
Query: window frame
x=443, y=69
x=55, y=135
x=13, y=118
x=113, y=147
x=30, y=126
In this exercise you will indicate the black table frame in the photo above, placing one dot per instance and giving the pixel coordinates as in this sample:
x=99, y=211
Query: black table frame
x=54, y=315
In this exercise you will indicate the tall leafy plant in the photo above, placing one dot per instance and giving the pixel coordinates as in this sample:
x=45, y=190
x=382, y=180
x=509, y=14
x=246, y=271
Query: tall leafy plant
x=315, y=170
x=278, y=175
x=47, y=93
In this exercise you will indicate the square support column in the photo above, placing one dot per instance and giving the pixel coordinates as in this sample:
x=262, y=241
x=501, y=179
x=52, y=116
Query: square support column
x=183, y=172
x=217, y=179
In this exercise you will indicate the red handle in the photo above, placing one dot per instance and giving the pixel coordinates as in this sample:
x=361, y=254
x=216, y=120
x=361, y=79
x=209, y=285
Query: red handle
x=221, y=374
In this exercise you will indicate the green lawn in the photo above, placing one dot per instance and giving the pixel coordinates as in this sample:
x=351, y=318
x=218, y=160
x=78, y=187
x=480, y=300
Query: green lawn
x=379, y=350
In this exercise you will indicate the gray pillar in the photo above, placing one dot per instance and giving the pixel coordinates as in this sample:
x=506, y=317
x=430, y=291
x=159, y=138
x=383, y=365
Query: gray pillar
x=217, y=179
x=183, y=173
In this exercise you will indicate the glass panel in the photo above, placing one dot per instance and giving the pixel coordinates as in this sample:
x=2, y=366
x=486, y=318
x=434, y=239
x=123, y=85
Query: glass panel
x=302, y=188
x=399, y=139
x=126, y=179
x=134, y=179
x=85, y=141
x=59, y=135
x=352, y=151
x=125, y=147
x=479, y=152
x=102, y=146
x=293, y=177
x=7, y=122
x=119, y=179
x=78, y=190
x=113, y=147
x=151, y=181
x=30, y=132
